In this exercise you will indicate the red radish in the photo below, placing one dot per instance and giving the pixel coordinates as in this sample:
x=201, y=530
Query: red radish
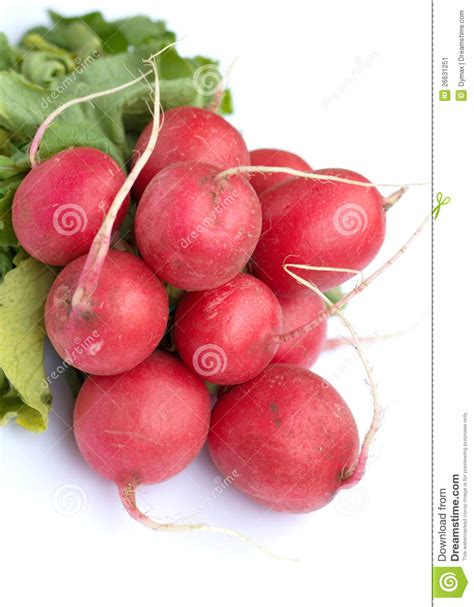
x=142, y=426
x=270, y=157
x=298, y=310
x=318, y=223
x=289, y=435
x=191, y=134
x=227, y=334
x=194, y=231
x=61, y=203
x=124, y=323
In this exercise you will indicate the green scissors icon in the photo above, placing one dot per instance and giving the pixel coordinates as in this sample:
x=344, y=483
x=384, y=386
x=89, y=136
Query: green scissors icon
x=441, y=202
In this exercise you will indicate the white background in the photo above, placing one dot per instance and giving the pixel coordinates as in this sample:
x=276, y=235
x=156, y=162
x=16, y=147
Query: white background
x=343, y=84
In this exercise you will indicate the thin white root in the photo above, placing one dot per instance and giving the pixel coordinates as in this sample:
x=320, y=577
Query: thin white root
x=303, y=266
x=353, y=474
x=310, y=175
x=339, y=342
x=389, y=201
x=129, y=501
x=333, y=309
x=95, y=259
x=47, y=122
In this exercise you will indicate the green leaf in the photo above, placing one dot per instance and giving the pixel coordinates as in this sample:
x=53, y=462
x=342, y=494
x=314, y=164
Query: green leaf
x=7, y=191
x=73, y=34
x=112, y=39
x=10, y=400
x=5, y=144
x=22, y=297
x=20, y=256
x=34, y=41
x=44, y=68
x=116, y=36
x=6, y=261
x=21, y=108
x=10, y=166
x=334, y=295
x=227, y=105
x=176, y=84
x=6, y=55
x=24, y=106
x=143, y=31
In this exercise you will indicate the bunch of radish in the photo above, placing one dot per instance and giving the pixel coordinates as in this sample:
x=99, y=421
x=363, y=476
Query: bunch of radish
x=223, y=226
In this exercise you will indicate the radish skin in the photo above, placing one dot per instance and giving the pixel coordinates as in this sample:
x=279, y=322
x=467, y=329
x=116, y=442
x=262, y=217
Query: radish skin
x=124, y=324
x=290, y=436
x=61, y=203
x=150, y=437
x=226, y=335
x=270, y=157
x=297, y=310
x=194, y=232
x=191, y=134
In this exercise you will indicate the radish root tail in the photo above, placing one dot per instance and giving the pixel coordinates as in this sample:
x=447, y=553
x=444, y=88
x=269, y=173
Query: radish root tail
x=339, y=342
x=389, y=201
x=88, y=280
x=353, y=474
x=129, y=502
